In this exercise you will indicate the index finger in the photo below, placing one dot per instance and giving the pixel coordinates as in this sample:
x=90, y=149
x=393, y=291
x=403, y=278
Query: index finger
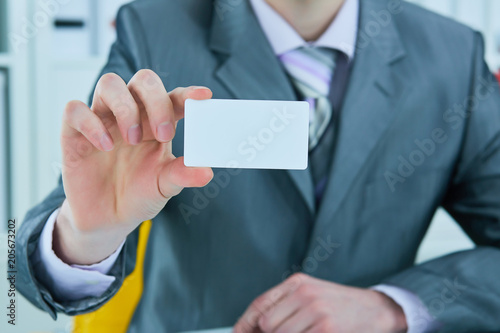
x=178, y=96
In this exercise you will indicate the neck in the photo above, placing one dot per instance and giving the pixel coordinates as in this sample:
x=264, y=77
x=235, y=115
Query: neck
x=310, y=18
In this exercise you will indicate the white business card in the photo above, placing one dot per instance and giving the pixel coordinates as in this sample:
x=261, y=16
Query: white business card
x=246, y=134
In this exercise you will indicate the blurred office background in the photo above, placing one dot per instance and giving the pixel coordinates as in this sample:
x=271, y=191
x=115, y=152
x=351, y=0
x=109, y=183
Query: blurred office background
x=51, y=52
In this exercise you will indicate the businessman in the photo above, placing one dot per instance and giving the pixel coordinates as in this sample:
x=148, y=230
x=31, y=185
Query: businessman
x=405, y=118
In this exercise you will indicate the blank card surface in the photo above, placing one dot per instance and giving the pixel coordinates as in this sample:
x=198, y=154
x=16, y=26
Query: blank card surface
x=246, y=134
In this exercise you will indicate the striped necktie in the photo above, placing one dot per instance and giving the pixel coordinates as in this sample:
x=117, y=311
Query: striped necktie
x=310, y=70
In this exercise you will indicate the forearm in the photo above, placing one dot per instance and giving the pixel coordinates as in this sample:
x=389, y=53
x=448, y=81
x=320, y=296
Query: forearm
x=30, y=283
x=70, y=282
x=461, y=291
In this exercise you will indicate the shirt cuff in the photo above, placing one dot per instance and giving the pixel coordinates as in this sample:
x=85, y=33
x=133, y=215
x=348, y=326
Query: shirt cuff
x=418, y=318
x=70, y=282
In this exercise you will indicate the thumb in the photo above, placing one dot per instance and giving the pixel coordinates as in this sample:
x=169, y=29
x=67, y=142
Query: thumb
x=175, y=176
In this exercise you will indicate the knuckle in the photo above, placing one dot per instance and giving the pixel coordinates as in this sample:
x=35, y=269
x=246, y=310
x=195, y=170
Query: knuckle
x=306, y=291
x=179, y=94
x=146, y=75
x=122, y=110
x=298, y=278
x=124, y=106
x=71, y=107
x=177, y=90
x=295, y=281
x=260, y=303
x=83, y=148
x=108, y=79
x=264, y=305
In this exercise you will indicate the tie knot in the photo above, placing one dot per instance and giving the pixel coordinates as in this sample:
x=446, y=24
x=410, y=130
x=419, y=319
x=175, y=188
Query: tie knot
x=311, y=69
x=322, y=54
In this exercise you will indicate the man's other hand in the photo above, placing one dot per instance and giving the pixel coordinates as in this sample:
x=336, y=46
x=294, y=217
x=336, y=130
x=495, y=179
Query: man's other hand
x=306, y=304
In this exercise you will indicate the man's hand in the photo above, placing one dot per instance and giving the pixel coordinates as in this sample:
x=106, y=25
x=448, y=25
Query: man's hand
x=118, y=168
x=305, y=304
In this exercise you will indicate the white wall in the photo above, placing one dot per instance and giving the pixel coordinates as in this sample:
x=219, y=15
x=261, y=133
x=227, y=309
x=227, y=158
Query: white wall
x=39, y=86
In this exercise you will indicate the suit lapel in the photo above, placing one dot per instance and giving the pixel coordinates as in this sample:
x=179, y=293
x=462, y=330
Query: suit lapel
x=251, y=70
x=369, y=107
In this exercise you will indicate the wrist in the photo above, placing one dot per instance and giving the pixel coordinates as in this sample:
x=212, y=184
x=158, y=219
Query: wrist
x=392, y=318
x=82, y=247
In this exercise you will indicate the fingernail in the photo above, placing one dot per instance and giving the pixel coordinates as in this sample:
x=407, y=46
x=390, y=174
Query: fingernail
x=165, y=131
x=134, y=134
x=199, y=88
x=106, y=142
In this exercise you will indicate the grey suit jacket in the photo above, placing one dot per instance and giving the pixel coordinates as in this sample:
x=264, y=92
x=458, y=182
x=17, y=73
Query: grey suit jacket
x=419, y=129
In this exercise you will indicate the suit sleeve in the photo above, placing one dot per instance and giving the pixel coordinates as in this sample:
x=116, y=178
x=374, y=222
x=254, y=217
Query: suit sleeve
x=462, y=290
x=124, y=59
x=70, y=282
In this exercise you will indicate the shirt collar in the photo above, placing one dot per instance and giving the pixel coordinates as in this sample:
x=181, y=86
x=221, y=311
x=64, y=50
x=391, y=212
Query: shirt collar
x=340, y=35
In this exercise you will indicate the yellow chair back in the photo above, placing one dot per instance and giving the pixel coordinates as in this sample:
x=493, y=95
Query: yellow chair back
x=115, y=315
